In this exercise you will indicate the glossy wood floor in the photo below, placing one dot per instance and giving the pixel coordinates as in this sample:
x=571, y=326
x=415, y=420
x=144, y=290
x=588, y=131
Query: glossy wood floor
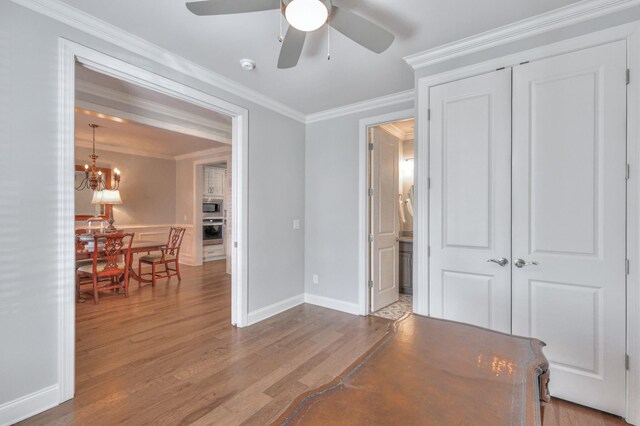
x=169, y=356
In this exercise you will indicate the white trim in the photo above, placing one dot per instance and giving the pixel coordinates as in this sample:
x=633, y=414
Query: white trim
x=363, y=205
x=89, y=24
x=93, y=89
x=389, y=100
x=69, y=53
x=633, y=230
x=148, y=226
x=84, y=143
x=392, y=129
x=629, y=32
x=274, y=309
x=191, y=130
x=335, y=304
x=562, y=17
x=132, y=151
x=24, y=407
x=204, y=153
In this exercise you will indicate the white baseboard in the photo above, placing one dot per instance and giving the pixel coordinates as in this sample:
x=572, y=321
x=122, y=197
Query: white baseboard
x=29, y=405
x=327, y=302
x=271, y=310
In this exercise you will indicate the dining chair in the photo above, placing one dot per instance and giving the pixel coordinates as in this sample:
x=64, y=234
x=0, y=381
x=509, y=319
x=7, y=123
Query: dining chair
x=168, y=255
x=109, y=265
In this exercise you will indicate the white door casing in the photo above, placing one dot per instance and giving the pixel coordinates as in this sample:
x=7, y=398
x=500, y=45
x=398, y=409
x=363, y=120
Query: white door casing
x=470, y=199
x=385, y=225
x=569, y=216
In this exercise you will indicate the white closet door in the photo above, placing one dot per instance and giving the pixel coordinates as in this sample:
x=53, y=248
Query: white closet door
x=385, y=222
x=569, y=119
x=470, y=220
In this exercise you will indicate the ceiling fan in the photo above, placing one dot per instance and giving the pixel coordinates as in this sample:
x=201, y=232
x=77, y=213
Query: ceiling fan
x=303, y=16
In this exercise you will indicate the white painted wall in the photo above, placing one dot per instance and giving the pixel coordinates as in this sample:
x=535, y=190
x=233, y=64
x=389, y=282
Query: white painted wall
x=331, y=212
x=28, y=128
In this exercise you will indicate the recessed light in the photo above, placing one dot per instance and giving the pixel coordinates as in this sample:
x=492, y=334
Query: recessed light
x=247, y=64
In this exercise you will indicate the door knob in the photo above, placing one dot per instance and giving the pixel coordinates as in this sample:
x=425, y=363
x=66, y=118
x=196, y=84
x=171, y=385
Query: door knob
x=521, y=263
x=502, y=261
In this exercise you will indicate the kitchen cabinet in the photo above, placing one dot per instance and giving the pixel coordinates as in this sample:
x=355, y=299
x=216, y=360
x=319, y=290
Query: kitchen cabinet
x=214, y=182
x=406, y=267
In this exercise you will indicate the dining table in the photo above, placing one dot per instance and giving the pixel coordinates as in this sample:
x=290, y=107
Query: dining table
x=137, y=246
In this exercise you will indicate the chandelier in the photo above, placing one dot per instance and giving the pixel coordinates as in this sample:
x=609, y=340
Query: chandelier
x=93, y=178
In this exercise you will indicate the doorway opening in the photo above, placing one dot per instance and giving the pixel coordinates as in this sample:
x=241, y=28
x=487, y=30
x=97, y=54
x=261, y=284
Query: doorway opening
x=185, y=129
x=390, y=148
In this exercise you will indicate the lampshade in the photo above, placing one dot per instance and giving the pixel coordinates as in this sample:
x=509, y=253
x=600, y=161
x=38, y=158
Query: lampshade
x=306, y=15
x=106, y=196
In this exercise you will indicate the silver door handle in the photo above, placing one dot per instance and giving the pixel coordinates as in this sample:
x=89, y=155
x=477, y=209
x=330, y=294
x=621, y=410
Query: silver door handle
x=502, y=261
x=519, y=263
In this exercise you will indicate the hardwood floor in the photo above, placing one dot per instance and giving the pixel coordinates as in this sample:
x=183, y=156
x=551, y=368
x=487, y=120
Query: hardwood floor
x=170, y=356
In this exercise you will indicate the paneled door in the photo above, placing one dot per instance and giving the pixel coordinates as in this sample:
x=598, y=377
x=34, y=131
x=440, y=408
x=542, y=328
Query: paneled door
x=385, y=224
x=470, y=201
x=569, y=164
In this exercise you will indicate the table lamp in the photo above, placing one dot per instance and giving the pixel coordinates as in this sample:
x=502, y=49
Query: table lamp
x=107, y=197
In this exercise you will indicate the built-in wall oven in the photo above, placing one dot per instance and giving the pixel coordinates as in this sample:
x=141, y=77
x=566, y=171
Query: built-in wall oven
x=212, y=231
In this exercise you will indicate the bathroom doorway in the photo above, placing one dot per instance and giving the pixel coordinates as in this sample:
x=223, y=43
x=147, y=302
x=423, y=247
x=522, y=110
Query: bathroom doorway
x=390, y=217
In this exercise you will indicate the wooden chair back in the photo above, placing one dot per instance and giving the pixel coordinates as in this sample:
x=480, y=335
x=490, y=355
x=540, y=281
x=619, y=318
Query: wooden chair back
x=80, y=244
x=175, y=241
x=116, y=245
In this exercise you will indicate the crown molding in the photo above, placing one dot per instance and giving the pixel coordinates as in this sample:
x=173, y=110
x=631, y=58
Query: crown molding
x=84, y=143
x=572, y=14
x=92, y=89
x=393, y=130
x=62, y=12
x=393, y=99
x=204, y=153
x=152, y=122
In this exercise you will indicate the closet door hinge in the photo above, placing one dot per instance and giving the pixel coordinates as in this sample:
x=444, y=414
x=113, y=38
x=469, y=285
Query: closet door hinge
x=428, y=183
x=428, y=251
x=370, y=192
x=370, y=147
x=628, y=76
x=627, y=172
x=370, y=238
x=370, y=283
x=429, y=114
x=626, y=361
x=626, y=262
x=235, y=244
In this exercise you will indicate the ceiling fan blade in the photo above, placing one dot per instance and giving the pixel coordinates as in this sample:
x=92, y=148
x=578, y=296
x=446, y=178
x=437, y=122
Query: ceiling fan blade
x=291, y=48
x=226, y=7
x=361, y=30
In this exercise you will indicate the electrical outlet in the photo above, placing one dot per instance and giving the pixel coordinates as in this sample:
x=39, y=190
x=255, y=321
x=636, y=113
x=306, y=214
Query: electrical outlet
x=296, y=223
x=185, y=217
x=315, y=279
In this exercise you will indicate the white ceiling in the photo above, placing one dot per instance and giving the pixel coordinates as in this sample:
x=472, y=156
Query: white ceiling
x=140, y=121
x=219, y=42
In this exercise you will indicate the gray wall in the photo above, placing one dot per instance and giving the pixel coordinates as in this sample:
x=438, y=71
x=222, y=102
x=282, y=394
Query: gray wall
x=147, y=188
x=331, y=204
x=28, y=152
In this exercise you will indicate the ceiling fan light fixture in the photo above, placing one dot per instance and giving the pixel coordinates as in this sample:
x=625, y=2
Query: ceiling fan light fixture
x=306, y=15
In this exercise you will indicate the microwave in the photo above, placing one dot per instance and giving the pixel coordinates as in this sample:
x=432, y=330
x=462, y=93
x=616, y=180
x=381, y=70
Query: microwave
x=212, y=207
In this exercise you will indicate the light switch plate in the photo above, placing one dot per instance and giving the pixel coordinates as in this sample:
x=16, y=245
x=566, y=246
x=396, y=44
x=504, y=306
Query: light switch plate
x=296, y=223
x=315, y=279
